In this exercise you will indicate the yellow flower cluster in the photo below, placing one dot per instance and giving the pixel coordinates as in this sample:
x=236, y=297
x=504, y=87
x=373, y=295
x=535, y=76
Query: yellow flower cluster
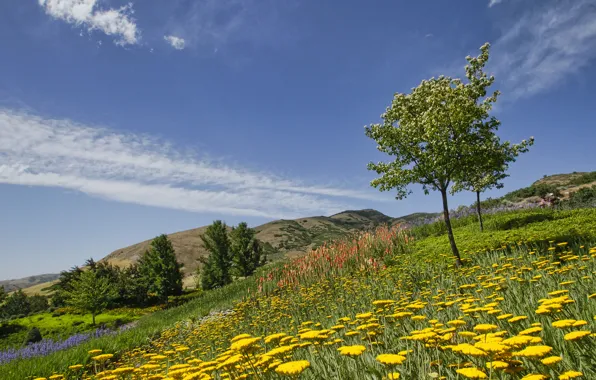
x=521, y=314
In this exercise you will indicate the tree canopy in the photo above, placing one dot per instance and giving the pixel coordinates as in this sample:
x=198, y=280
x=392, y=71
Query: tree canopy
x=246, y=250
x=91, y=292
x=160, y=269
x=216, y=269
x=431, y=132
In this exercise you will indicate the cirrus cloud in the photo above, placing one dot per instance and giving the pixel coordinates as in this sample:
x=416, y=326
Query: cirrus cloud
x=545, y=46
x=144, y=170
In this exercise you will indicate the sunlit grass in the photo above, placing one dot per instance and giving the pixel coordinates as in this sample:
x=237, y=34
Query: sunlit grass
x=377, y=307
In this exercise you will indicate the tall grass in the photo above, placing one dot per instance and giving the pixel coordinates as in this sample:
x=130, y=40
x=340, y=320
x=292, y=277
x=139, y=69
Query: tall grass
x=406, y=309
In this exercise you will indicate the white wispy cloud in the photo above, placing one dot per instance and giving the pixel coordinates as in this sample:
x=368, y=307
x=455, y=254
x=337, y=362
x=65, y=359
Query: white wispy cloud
x=177, y=43
x=144, y=170
x=216, y=24
x=494, y=2
x=86, y=13
x=545, y=46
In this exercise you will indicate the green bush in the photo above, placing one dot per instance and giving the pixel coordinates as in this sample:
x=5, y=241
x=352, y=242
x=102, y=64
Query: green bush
x=584, y=178
x=33, y=336
x=539, y=190
x=585, y=197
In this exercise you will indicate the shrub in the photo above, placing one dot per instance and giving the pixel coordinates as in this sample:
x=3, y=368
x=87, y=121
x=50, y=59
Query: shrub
x=584, y=178
x=33, y=336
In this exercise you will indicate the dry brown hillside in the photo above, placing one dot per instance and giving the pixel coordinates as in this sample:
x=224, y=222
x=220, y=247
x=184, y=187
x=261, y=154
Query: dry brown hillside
x=282, y=238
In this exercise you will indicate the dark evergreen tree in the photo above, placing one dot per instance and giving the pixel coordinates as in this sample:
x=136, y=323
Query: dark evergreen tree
x=246, y=250
x=216, y=269
x=160, y=270
x=133, y=287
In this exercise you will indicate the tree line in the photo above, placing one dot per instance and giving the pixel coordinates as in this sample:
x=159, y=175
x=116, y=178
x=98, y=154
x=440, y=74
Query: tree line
x=155, y=278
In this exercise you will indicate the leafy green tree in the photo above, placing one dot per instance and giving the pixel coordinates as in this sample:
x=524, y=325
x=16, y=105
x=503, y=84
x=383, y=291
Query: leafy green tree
x=216, y=269
x=16, y=304
x=2, y=294
x=91, y=293
x=133, y=287
x=429, y=131
x=160, y=269
x=38, y=303
x=64, y=285
x=488, y=161
x=247, y=254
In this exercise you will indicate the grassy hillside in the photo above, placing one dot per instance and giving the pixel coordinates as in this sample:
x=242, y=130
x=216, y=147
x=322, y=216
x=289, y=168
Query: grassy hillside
x=293, y=238
x=284, y=238
x=383, y=305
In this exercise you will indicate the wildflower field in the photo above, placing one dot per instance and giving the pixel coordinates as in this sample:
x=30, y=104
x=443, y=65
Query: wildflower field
x=380, y=307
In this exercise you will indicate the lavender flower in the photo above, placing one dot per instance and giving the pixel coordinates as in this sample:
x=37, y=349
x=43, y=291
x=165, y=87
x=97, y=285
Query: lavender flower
x=48, y=346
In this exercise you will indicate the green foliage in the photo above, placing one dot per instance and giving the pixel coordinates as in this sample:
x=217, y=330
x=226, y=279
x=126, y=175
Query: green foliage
x=15, y=304
x=38, y=303
x=433, y=132
x=534, y=226
x=132, y=287
x=246, y=251
x=583, y=179
x=160, y=270
x=58, y=327
x=33, y=336
x=538, y=190
x=216, y=269
x=584, y=197
x=147, y=326
x=91, y=293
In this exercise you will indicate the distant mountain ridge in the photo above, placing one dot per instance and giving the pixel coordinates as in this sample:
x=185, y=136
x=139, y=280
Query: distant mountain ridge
x=26, y=282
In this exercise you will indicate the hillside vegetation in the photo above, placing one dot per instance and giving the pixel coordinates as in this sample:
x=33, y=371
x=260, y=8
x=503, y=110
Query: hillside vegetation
x=292, y=238
x=280, y=237
x=375, y=307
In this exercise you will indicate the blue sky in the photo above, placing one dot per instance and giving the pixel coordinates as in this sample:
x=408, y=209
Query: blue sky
x=120, y=121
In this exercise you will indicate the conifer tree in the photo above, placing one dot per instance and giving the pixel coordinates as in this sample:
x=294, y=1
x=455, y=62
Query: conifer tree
x=216, y=269
x=160, y=270
x=246, y=250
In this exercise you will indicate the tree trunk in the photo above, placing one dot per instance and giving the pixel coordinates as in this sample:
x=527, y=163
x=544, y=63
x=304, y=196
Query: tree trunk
x=479, y=211
x=449, y=230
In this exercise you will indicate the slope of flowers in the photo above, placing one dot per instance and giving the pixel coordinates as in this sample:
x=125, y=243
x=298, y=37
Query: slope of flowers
x=368, y=309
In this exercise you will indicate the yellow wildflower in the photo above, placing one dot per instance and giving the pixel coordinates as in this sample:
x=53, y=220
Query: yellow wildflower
x=292, y=368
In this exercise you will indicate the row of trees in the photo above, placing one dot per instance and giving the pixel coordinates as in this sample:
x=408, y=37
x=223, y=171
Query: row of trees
x=237, y=253
x=97, y=286
x=442, y=137
x=155, y=277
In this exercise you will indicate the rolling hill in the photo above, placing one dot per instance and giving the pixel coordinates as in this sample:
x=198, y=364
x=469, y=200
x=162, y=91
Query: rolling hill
x=281, y=238
x=28, y=282
x=289, y=238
